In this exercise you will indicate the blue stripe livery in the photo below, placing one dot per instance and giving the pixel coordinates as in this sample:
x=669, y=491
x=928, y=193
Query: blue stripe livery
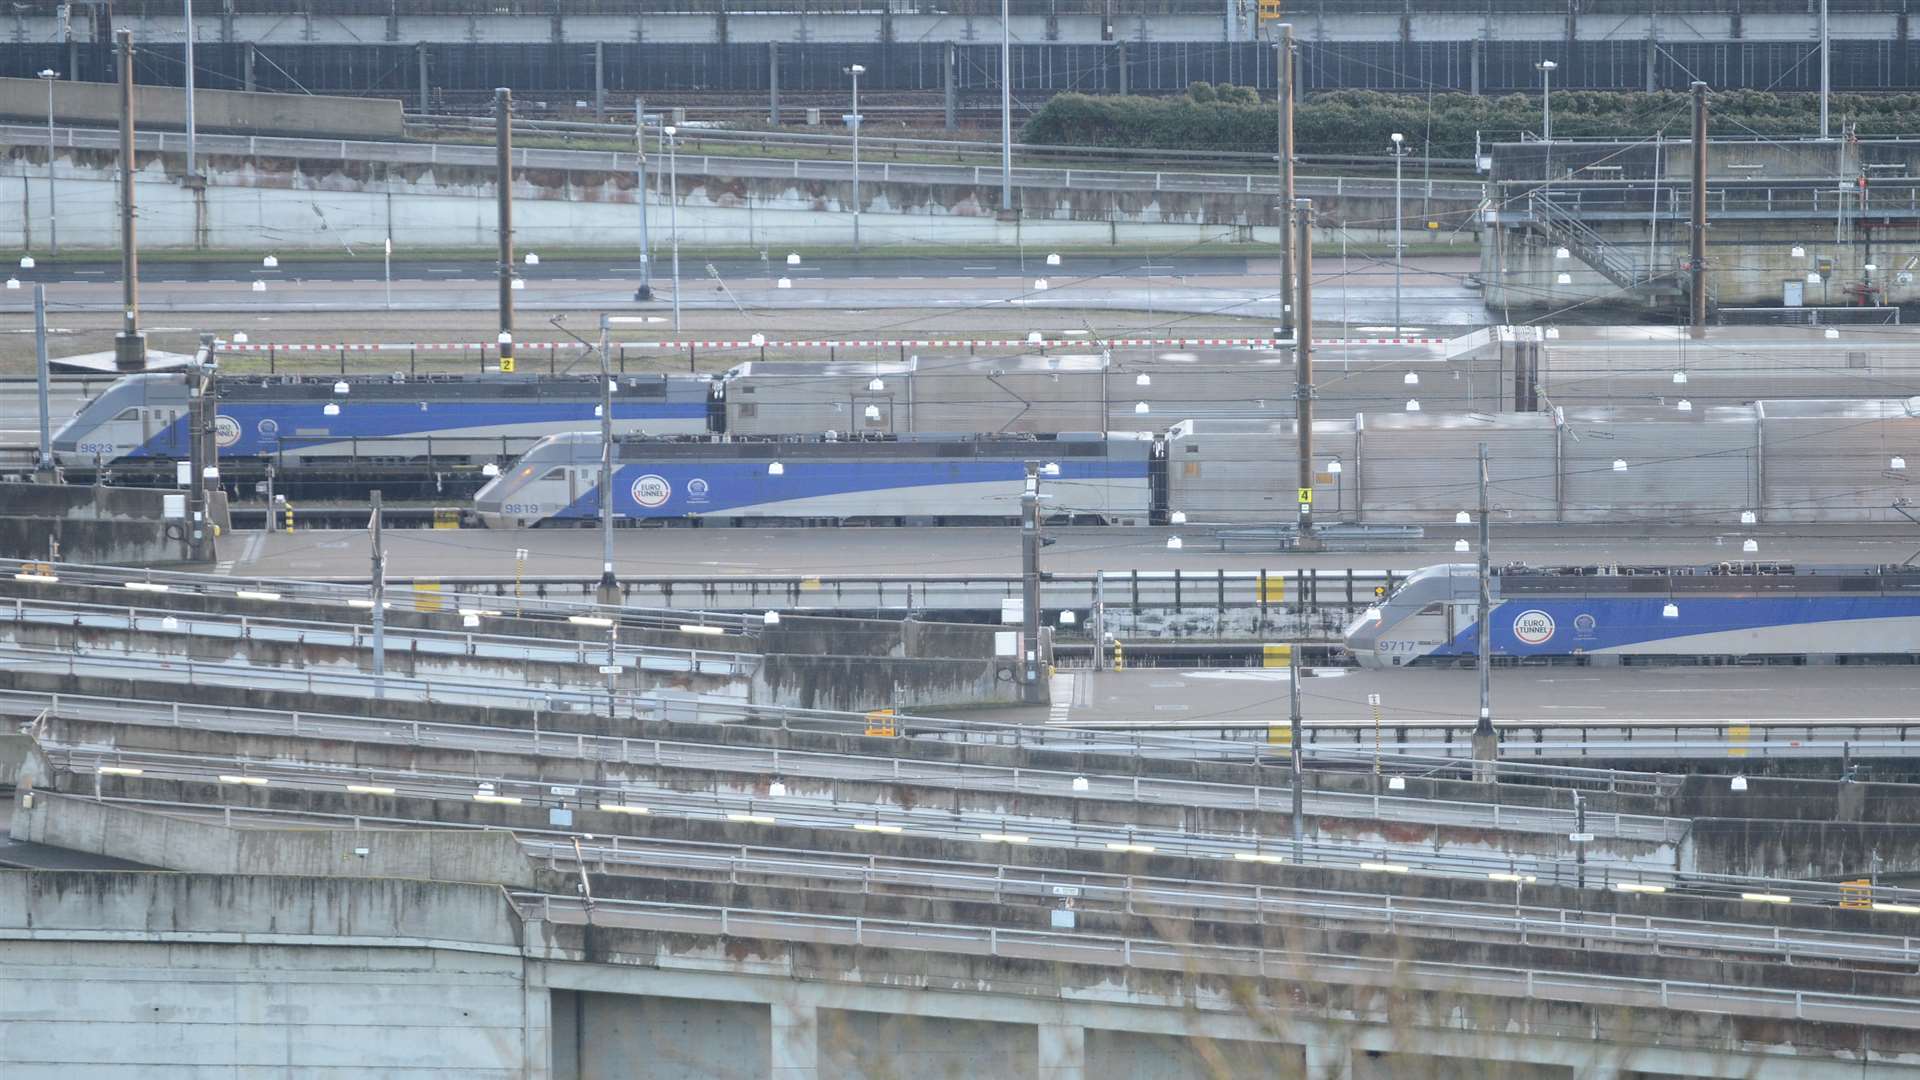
x=305, y=425
x=1526, y=626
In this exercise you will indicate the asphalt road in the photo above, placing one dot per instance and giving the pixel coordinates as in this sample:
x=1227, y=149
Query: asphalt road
x=703, y=553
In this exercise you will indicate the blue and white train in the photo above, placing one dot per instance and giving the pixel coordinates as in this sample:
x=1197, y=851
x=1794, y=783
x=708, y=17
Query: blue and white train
x=1623, y=614
x=906, y=480
x=144, y=417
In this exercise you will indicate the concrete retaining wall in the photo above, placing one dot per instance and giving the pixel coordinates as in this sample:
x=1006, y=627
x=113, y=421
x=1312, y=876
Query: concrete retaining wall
x=200, y=846
x=429, y=206
x=233, y=112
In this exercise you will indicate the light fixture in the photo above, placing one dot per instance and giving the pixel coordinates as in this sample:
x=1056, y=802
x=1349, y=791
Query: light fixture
x=695, y=628
x=1869, y=267
x=1372, y=614
x=1670, y=611
x=118, y=770
x=1684, y=405
x=342, y=387
x=1053, y=258
x=1619, y=464
x=240, y=337
x=1563, y=279
x=256, y=594
x=1397, y=138
x=1173, y=543
x=757, y=340
x=1831, y=334
x=1034, y=338
x=1051, y=468
x=1413, y=405
x=1178, y=517
x=1898, y=909
x=1748, y=517
x=598, y=412
x=1813, y=277
x=1080, y=783
x=532, y=259
x=783, y=283
x=145, y=586
x=1739, y=783
x=1396, y=783
x=270, y=262
x=1039, y=284
x=1562, y=253
x=771, y=618
x=1463, y=518
x=498, y=800
x=1679, y=378
x=752, y=819
x=774, y=468
x=776, y=790
x=1765, y=898
x=1386, y=867
x=1412, y=379
x=1003, y=838
x=1141, y=408
x=590, y=620
x=489, y=470
x=1130, y=848
x=469, y=620
x=26, y=262
x=368, y=789
x=1068, y=618
x=1257, y=856
x=1143, y=379
x=250, y=781
x=1637, y=887
x=1516, y=879
x=877, y=385
x=1750, y=546
x=622, y=808
x=518, y=283
x=1334, y=468
x=872, y=412
x=1797, y=252
x=1897, y=462
x=793, y=258
x=259, y=286
x=13, y=283
x=876, y=827
x=1461, y=545
x=169, y=623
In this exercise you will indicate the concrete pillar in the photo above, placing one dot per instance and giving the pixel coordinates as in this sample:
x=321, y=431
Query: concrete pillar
x=599, y=80
x=393, y=21
x=1476, y=55
x=1405, y=59
x=773, y=85
x=226, y=23
x=720, y=22
x=952, y=89
x=1653, y=55
x=1063, y=1052
x=1327, y=1062
x=796, y=1042
x=1120, y=61
x=247, y=73
x=420, y=62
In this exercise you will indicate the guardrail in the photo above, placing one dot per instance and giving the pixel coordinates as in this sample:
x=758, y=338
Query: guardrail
x=692, y=164
x=1243, y=961
x=768, y=761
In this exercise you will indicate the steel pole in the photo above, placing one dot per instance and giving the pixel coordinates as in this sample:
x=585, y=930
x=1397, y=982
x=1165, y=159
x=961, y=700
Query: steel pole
x=1294, y=762
x=130, y=346
x=377, y=585
x=188, y=63
x=503, y=181
x=1283, y=66
x=1399, y=243
x=673, y=225
x=41, y=366
x=1030, y=585
x=1484, y=630
x=609, y=586
x=645, y=291
x=1826, y=70
x=1303, y=366
x=53, y=215
x=856, y=162
x=1697, y=315
x=1006, y=108
x=1546, y=104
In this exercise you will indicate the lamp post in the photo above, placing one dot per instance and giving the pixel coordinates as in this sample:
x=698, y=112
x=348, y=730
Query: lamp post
x=1006, y=108
x=673, y=217
x=1399, y=248
x=645, y=291
x=1546, y=68
x=53, y=219
x=856, y=71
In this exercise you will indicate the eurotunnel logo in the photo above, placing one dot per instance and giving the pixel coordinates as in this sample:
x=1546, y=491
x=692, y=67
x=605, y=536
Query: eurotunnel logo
x=696, y=490
x=226, y=430
x=1583, y=623
x=1533, y=627
x=652, y=490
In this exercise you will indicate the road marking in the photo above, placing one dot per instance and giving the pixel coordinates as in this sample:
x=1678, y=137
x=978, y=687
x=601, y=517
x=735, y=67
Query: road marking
x=978, y=268
x=223, y=567
x=253, y=547
x=1060, y=693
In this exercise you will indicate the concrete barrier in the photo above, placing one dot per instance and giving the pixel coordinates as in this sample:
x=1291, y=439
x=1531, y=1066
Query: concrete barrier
x=233, y=112
x=22, y=763
x=103, y=525
x=176, y=843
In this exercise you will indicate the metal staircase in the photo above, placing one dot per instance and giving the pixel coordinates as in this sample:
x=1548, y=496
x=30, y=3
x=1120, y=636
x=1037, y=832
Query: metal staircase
x=1628, y=270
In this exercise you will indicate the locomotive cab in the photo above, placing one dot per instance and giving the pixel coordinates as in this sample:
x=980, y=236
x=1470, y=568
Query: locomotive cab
x=1421, y=618
x=138, y=416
